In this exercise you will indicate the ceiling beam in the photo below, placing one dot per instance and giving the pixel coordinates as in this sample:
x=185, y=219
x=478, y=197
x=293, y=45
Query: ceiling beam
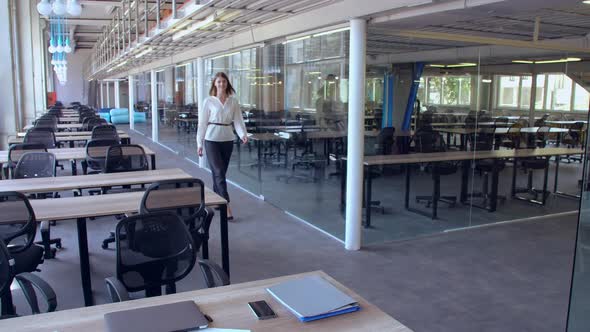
x=487, y=40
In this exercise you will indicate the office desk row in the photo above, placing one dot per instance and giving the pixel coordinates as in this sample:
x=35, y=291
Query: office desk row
x=74, y=154
x=466, y=157
x=73, y=133
x=82, y=207
x=227, y=306
x=61, y=126
x=125, y=139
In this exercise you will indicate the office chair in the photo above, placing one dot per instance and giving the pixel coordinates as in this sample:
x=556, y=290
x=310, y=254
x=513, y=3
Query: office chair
x=95, y=122
x=426, y=141
x=40, y=165
x=50, y=123
x=122, y=158
x=41, y=136
x=15, y=152
x=96, y=153
x=529, y=165
x=105, y=132
x=574, y=139
x=17, y=232
x=157, y=250
x=513, y=137
x=484, y=141
x=541, y=122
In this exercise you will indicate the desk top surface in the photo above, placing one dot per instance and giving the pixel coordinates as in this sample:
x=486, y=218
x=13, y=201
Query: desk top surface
x=62, y=126
x=228, y=306
x=62, y=138
x=69, y=153
x=104, y=205
x=499, y=131
x=413, y=158
x=72, y=133
x=62, y=183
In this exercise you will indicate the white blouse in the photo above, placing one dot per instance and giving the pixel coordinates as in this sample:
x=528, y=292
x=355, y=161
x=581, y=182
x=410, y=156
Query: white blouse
x=213, y=111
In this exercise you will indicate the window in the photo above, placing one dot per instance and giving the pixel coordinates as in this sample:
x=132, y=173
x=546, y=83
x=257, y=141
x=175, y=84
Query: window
x=445, y=90
x=554, y=92
x=508, y=91
x=434, y=88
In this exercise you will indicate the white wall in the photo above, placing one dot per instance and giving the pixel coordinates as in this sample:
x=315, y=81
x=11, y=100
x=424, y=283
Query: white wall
x=73, y=90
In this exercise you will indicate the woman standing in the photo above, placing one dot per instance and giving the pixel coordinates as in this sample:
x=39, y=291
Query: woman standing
x=220, y=110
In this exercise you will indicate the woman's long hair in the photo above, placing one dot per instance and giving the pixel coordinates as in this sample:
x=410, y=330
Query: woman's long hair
x=213, y=90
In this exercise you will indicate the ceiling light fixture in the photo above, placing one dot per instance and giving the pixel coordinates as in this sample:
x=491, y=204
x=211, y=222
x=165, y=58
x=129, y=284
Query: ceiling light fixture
x=224, y=55
x=296, y=39
x=547, y=61
x=330, y=32
x=458, y=65
x=144, y=53
x=586, y=2
x=199, y=25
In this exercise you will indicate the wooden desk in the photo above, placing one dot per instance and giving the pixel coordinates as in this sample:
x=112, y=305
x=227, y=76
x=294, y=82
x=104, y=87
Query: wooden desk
x=63, y=183
x=73, y=133
x=227, y=306
x=82, y=207
x=61, y=126
x=125, y=138
x=74, y=154
x=463, y=132
x=466, y=157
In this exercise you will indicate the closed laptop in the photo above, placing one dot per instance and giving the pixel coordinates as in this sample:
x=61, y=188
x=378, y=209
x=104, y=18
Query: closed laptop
x=178, y=316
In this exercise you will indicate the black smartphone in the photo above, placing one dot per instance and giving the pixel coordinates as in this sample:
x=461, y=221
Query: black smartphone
x=262, y=310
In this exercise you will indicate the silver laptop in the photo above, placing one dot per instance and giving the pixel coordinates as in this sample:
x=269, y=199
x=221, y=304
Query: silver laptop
x=171, y=317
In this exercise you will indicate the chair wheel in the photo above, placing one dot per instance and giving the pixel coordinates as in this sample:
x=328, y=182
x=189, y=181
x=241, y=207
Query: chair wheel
x=58, y=245
x=105, y=245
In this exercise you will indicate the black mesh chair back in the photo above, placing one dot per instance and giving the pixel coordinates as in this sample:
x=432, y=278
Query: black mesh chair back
x=541, y=122
x=483, y=139
x=501, y=121
x=105, y=132
x=16, y=151
x=541, y=137
x=46, y=123
x=17, y=222
x=513, y=137
x=86, y=120
x=125, y=158
x=35, y=165
x=96, y=153
x=156, y=250
x=95, y=122
x=40, y=136
x=427, y=141
x=385, y=140
x=186, y=198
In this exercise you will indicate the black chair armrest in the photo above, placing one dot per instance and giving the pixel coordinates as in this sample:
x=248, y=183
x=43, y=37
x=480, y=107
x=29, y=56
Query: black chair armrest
x=28, y=282
x=211, y=271
x=116, y=290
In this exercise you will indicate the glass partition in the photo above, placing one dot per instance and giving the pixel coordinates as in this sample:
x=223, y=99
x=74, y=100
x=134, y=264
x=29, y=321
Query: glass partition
x=579, y=307
x=143, y=100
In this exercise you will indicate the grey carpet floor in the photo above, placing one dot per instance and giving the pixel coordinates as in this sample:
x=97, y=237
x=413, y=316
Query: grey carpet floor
x=508, y=277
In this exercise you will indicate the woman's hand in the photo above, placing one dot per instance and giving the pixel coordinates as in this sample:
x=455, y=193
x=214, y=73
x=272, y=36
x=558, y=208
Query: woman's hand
x=245, y=139
x=200, y=151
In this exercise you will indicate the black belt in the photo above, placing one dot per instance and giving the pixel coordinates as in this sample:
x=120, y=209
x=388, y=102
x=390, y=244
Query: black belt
x=219, y=124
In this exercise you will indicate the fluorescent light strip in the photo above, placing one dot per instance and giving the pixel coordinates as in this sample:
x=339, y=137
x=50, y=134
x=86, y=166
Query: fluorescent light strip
x=547, y=61
x=330, y=32
x=458, y=65
x=194, y=27
x=224, y=55
x=144, y=53
x=296, y=39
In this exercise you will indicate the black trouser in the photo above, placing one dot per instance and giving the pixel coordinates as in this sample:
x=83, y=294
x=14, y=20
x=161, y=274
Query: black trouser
x=218, y=155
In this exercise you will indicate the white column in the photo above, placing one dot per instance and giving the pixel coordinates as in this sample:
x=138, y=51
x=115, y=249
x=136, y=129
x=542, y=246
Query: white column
x=101, y=94
x=533, y=98
x=155, y=120
x=201, y=95
x=131, y=102
x=356, y=131
x=117, y=101
x=108, y=103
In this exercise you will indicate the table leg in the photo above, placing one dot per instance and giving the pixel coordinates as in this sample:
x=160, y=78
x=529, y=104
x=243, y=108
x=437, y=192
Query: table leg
x=259, y=144
x=494, y=193
x=342, y=183
x=224, y=238
x=407, y=198
x=74, y=167
x=368, y=199
x=464, y=180
x=84, y=261
x=153, y=157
